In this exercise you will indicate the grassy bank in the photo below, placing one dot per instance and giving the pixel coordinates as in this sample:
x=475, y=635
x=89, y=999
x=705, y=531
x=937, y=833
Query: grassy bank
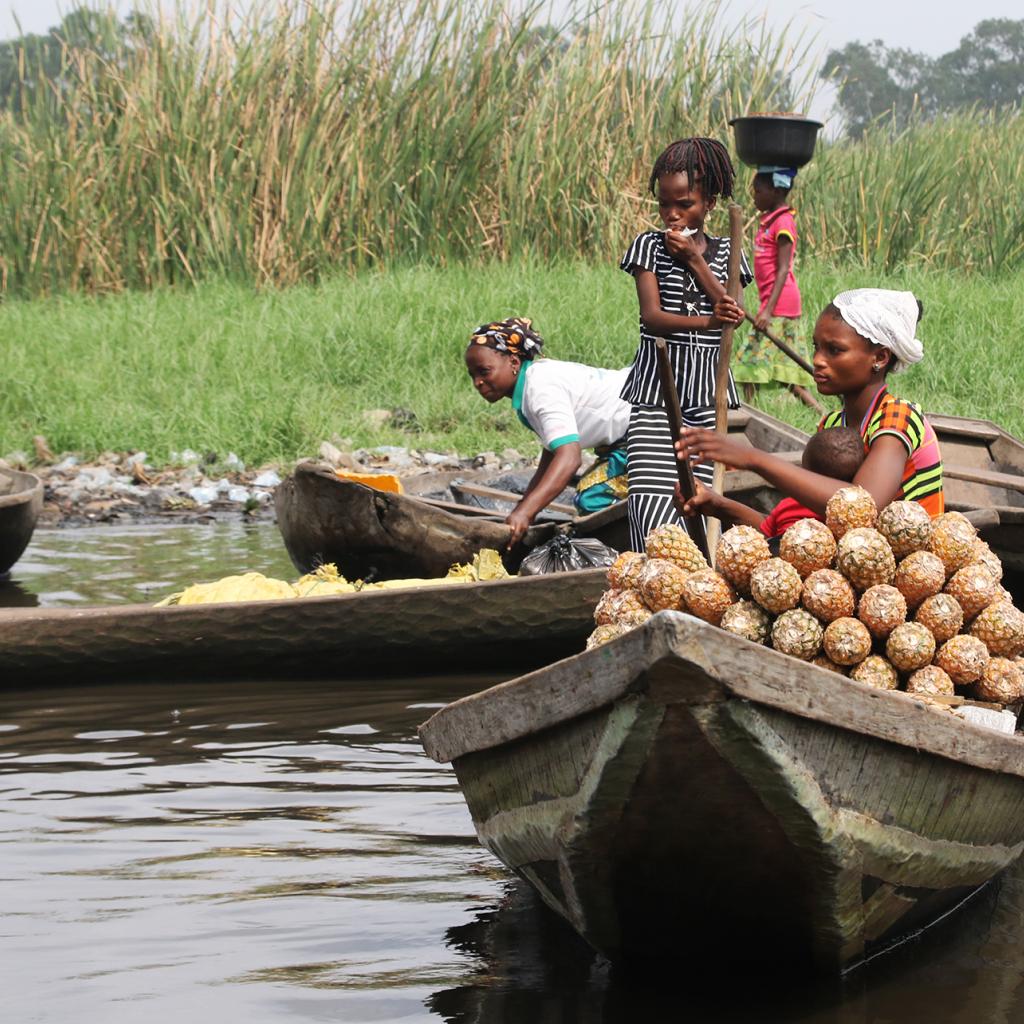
x=280, y=146
x=270, y=374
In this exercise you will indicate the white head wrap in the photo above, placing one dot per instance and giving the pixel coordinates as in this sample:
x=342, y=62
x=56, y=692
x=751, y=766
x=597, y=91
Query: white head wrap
x=887, y=318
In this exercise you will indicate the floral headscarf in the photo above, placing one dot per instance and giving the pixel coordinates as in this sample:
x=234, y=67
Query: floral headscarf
x=515, y=336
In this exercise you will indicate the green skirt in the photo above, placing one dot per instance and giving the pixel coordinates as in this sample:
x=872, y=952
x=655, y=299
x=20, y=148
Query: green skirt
x=604, y=483
x=755, y=360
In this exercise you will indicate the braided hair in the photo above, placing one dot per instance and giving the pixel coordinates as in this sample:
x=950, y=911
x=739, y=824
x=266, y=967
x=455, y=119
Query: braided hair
x=703, y=161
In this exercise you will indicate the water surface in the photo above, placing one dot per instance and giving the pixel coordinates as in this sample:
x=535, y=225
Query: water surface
x=285, y=852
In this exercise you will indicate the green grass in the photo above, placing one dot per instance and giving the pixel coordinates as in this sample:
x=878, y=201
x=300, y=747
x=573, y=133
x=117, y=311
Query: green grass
x=269, y=374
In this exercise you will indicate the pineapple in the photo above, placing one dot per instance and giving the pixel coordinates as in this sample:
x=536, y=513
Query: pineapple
x=865, y=558
x=910, y=646
x=1000, y=627
x=986, y=556
x=748, y=620
x=918, y=576
x=603, y=609
x=627, y=609
x=603, y=633
x=1002, y=682
x=963, y=657
x=850, y=507
x=824, y=661
x=739, y=551
x=624, y=572
x=882, y=609
x=906, y=526
x=828, y=596
x=672, y=543
x=876, y=672
x=775, y=585
x=953, y=538
x=808, y=545
x=942, y=615
x=797, y=634
x=706, y=594
x=930, y=681
x=661, y=584
x=847, y=641
x=974, y=588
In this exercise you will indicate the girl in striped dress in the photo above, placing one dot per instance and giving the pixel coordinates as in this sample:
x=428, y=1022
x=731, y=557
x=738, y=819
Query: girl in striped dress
x=680, y=278
x=861, y=337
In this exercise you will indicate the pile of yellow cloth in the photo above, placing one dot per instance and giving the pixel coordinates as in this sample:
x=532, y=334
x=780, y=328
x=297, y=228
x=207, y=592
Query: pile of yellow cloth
x=326, y=581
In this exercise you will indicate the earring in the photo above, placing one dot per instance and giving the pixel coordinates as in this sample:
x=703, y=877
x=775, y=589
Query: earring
x=877, y=367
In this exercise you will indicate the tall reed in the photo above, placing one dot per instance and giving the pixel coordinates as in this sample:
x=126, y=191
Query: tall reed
x=300, y=139
x=297, y=140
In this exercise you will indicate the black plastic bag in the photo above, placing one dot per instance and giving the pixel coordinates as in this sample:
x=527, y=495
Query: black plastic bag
x=563, y=553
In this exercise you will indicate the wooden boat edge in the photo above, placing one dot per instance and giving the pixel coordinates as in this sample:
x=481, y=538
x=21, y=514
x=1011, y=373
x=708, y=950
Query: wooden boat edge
x=733, y=668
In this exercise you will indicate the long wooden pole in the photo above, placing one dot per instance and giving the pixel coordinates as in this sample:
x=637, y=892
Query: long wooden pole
x=782, y=346
x=687, y=484
x=732, y=288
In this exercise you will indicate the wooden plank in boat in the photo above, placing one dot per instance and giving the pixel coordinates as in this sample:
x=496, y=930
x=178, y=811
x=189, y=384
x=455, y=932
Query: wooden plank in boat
x=982, y=430
x=483, y=491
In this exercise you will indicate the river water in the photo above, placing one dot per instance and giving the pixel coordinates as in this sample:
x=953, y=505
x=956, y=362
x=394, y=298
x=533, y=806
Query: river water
x=286, y=852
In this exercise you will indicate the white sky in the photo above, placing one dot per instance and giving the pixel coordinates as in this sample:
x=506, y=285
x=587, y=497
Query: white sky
x=933, y=27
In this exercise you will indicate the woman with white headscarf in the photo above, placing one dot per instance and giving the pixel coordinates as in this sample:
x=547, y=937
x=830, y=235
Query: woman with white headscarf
x=860, y=338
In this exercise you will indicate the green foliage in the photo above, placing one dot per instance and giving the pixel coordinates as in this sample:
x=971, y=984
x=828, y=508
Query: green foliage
x=270, y=374
x=873, y=81
x=277, y=146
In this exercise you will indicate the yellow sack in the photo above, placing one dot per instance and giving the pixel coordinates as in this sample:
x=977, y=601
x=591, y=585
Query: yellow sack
x=326, y=581
x=252, y=586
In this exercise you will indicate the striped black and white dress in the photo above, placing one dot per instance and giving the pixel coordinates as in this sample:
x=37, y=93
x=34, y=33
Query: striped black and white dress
x=694, y=356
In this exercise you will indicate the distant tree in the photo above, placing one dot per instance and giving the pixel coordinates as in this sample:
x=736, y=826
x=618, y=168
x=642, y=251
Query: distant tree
x=872, y=80
x=33, y=62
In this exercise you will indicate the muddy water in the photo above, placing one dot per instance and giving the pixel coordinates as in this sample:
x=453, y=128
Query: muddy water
x=285, y=852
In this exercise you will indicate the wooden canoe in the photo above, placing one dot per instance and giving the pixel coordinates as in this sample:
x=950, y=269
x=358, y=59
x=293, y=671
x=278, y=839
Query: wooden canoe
x=323, y=518
x=682, y=793
x=500, y=626
x=21, y=498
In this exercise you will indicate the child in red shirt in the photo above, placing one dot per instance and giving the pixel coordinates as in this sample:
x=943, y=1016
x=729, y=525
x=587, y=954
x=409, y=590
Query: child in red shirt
x=757, y=361
x=837, y=452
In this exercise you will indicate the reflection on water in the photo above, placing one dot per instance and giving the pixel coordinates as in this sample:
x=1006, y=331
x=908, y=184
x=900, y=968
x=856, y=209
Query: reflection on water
x=90, y=565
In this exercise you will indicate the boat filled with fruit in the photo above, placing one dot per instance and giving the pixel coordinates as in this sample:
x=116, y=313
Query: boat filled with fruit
x=892, y=599
x=810, y=755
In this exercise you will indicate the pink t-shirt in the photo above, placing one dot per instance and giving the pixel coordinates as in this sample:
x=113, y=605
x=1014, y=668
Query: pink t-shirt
x=773, y=226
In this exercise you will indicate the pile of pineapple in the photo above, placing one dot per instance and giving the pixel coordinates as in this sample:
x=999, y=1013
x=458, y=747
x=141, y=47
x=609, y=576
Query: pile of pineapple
x=893, y=599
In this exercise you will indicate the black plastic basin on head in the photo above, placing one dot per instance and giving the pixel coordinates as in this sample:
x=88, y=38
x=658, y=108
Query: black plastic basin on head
x=780, y=140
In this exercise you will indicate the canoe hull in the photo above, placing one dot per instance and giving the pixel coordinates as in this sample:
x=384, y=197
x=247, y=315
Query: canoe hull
x=21, y=499
x=457, y=628
x=758, y=826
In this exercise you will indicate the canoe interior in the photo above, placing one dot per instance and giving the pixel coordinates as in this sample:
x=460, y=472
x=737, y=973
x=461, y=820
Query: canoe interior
x=21, y=499
x=712, y=799
x=370, y=534
x=472, y=627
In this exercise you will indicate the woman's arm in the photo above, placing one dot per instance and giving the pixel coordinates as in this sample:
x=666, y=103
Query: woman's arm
x=880, y=474
x=782, y=261
x=554, y=471
x=657, y=321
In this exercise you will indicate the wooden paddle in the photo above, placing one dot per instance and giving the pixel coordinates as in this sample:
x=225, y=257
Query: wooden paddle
x=687, y=484
x=732, y=288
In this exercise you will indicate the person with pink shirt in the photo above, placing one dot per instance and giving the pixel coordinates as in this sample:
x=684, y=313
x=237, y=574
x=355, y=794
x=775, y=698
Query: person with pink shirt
x=757, y=360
